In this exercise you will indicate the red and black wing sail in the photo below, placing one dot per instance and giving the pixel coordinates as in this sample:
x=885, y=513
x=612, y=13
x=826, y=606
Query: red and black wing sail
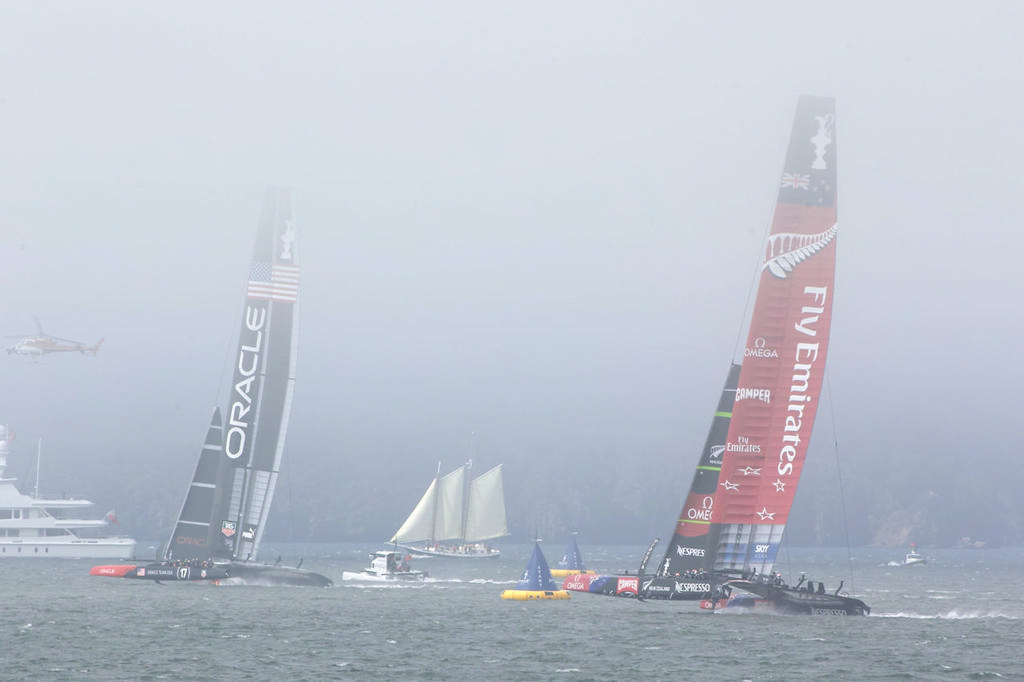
x=784, y=357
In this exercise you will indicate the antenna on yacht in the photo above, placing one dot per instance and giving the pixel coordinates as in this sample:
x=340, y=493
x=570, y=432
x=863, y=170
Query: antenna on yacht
x=39, y=456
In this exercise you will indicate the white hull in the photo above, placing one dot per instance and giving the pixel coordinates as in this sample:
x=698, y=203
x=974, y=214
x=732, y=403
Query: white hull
x=80, y=548
x=454, y=553
x=385, y=566
x=363, y=576
x=34, y=526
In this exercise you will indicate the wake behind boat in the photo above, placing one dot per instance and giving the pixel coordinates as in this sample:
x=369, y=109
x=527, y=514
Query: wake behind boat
x=221, y=523
x=386, y=566
x=734, y=516
x=456, y=515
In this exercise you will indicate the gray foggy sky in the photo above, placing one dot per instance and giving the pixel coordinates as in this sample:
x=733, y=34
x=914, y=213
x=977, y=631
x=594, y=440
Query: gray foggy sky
x=534, y=220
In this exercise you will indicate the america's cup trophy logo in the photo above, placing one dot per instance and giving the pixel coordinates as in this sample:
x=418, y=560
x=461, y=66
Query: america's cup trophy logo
x=821, y=140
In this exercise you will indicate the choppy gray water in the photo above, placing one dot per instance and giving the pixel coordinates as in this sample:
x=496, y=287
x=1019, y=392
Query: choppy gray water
x=959, y=617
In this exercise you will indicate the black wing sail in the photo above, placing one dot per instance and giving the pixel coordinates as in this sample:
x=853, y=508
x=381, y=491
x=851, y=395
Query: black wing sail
x=226, y=508
x=194, y=533
x=688, y=549
x=264, y=374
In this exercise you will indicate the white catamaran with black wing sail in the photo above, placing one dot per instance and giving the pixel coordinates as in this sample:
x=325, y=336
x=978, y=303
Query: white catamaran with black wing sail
x=456, y=516
x=218, y=532
x=730, y=529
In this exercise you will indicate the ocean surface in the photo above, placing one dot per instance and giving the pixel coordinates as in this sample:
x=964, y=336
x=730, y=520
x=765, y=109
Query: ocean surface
x=959, y=617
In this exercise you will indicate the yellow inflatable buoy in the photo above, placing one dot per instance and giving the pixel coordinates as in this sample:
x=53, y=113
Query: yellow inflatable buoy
x=566, y=572
x=536, y=582
x=525, y=595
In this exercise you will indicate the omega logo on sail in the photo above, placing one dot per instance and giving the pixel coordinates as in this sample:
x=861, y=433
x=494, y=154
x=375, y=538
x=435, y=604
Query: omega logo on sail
x=805, y=355
x=239, y=417
x=704, y=513
x=760, y=350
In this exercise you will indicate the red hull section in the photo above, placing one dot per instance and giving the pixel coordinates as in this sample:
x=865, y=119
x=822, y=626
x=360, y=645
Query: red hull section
x=617, y=586
x=122, y=571
x=579, y=582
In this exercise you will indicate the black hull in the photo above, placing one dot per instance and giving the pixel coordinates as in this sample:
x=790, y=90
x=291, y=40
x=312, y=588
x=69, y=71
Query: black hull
x=747, y=595
x=262, y=574
x=243, y=573
x=163, y=572
x=794, y=601
x=658, y=588
x=677, y=589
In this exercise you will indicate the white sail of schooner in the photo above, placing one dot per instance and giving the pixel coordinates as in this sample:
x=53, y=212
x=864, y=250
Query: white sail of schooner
x=456, y=516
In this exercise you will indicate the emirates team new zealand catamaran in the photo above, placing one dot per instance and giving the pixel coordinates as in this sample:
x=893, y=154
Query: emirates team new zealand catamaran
x=218, y=532
x=730, y=529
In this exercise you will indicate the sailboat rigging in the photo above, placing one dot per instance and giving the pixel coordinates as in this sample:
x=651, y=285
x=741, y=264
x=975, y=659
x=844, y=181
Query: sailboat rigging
x=224, y=514
x=733, y=518
x=456, y=516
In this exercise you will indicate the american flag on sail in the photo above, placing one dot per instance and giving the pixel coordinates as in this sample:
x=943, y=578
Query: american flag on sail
x=274, y=282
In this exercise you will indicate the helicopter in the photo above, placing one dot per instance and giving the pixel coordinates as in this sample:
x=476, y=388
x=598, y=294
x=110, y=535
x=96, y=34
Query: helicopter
x=44, y=344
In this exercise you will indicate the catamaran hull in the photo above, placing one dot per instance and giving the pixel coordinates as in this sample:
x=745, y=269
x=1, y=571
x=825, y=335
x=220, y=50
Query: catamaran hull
x=629, y=585
x=275, y=576
x=234, y=573
x=161, y=572
x=607, y=585
x=758, y=597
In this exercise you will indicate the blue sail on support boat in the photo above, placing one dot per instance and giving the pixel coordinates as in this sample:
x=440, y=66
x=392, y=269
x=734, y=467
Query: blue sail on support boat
x=571, y=562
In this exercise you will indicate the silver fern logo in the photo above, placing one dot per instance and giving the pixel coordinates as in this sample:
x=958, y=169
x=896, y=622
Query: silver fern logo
x=787, y=250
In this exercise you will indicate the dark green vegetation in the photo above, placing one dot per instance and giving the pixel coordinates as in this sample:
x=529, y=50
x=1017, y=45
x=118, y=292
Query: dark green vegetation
x=612, y=494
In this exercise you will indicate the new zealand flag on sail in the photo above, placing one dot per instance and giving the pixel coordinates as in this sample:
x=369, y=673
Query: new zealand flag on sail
x=809, y=177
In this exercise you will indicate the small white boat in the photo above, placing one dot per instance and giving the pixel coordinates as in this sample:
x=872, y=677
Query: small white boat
x=913, y=558
x=386, y=566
